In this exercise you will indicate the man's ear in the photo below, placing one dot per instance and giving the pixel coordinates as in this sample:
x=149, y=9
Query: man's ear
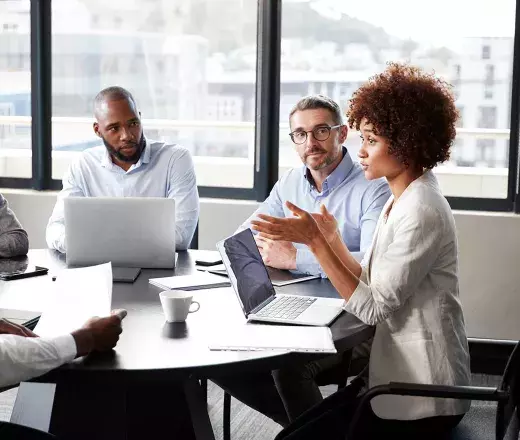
x=343, y=133
x=95, y=126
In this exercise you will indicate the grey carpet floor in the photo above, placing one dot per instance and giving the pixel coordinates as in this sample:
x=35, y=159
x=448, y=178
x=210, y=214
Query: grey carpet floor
x=246, y=424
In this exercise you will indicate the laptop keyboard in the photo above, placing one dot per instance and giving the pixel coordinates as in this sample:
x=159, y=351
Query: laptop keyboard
x=286, y=307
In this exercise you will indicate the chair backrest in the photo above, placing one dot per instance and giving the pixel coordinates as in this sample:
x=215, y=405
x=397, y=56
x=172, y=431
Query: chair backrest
x=507, y=412
x=514, y=427
x=195, y=240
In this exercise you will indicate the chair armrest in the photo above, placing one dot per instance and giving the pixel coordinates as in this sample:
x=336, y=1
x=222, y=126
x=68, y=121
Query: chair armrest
x=425, y=390
x=441, y=391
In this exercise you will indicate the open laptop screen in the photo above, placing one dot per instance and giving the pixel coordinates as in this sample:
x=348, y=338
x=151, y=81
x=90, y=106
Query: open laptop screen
x=246, y=270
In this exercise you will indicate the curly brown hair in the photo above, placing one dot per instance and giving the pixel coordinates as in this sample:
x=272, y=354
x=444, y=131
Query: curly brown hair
x=414, y=110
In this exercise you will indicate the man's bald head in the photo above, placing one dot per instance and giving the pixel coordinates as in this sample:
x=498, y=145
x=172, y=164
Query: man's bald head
x=118, y=124
x=113, y=93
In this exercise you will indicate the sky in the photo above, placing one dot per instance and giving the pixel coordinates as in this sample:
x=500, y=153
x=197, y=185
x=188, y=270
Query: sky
x=437, y=21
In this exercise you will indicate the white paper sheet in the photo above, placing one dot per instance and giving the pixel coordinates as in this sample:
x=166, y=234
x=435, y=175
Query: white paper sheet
x=256, y=337
x=78, y=295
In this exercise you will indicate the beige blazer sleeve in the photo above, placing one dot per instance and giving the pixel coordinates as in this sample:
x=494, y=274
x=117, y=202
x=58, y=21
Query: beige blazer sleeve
x=398, y=272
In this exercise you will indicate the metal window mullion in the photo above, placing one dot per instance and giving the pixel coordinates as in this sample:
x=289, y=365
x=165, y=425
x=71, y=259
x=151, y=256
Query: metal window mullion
x=267, y=96
x=513, y=189
x=41, y=94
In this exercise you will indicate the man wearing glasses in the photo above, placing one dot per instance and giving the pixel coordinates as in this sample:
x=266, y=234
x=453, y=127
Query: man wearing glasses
x=328, y=177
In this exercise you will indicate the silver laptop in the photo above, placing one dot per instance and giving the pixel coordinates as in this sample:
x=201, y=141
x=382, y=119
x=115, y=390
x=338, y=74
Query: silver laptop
x=256, y=293
x=127, y=231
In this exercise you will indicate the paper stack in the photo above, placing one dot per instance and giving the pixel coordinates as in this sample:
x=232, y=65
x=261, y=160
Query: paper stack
x=255, y=337
x=201, y=280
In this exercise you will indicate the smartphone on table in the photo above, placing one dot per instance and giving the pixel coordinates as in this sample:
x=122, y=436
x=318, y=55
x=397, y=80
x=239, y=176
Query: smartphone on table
x=18, y=268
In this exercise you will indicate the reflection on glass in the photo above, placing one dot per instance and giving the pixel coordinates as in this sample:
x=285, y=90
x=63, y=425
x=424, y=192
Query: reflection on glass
x=332, y=47
x=191, y=66
x=15, y=89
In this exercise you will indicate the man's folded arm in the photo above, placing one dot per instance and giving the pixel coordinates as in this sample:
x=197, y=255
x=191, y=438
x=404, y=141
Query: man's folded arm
x=273, y=206
x=55, y=232
x=183, y=189
x=307, y=263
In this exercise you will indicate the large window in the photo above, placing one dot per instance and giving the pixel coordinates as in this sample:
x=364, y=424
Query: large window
x=190, y=64
x=331, y=47
x=15, y=89
x=207, y=74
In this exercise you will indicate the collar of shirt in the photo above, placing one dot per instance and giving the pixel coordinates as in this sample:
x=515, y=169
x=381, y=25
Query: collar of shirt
x=106, y=161
x=427, y=178
x=337, y=176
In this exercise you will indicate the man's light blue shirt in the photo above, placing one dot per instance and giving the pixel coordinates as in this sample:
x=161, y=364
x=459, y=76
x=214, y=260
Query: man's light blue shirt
x=355, y=202
x=163, y=170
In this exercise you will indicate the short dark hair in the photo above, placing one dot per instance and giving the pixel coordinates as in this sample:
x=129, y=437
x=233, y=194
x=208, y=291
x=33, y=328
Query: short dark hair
x=113, y=93
x=414, y=110
x=313, y=102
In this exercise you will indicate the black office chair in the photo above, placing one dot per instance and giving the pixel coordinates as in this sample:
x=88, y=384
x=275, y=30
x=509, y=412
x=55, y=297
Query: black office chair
x=194, y=244
x=482, y=422
x=336, y=376
x=478, y=423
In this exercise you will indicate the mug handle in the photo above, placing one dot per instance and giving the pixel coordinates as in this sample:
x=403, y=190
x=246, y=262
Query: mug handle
x=198, y=307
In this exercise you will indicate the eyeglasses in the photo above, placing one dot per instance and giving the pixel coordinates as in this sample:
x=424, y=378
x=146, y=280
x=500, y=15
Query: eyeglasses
x=319, y=133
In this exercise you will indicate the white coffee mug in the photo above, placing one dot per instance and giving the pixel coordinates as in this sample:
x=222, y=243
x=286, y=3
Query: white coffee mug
x=176, y=305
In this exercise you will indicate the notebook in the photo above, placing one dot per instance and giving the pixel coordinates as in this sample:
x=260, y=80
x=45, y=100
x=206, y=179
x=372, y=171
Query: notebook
x=278, y=277
x=21, y=317
x=278, y=338
x=200, y=280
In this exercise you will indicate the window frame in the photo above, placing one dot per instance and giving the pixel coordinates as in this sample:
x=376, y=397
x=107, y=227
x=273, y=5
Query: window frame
x=267, y=114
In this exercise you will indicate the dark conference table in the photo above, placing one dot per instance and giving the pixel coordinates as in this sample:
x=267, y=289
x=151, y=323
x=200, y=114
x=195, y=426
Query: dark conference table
x=149, y=384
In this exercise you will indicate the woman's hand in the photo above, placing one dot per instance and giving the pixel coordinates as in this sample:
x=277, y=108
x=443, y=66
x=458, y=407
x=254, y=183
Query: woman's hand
x=302, y=228
x=327, y=223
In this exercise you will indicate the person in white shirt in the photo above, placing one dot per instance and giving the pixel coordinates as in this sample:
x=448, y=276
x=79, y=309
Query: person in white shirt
x=407, y=284
x=128, y=165
x=24, y=355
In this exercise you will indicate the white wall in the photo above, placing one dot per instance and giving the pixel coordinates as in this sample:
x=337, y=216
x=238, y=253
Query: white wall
x=489, y=246
x=218, y=218
x=489, y=249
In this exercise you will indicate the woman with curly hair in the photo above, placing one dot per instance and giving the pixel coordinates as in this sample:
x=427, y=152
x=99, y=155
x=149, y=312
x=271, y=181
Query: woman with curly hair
x=407, y=285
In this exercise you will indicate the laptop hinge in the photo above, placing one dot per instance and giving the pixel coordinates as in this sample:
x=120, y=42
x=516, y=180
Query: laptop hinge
x=262, y=305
